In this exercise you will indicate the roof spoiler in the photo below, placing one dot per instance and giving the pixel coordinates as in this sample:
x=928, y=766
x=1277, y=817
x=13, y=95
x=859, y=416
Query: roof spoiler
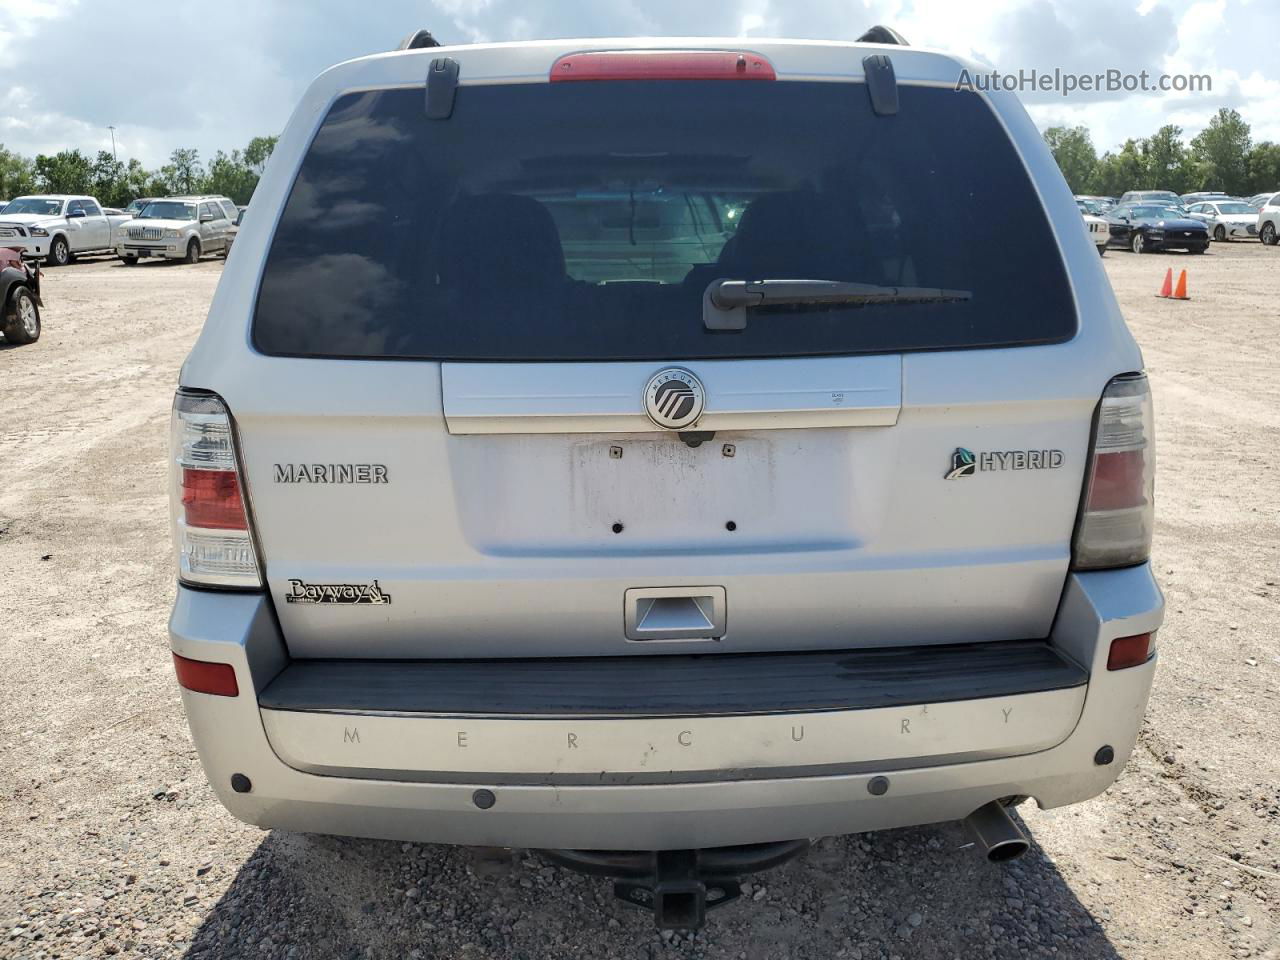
x=418, y=40
x=880, y=34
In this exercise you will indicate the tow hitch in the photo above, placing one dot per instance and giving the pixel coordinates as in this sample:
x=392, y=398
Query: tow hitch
x=679, y=886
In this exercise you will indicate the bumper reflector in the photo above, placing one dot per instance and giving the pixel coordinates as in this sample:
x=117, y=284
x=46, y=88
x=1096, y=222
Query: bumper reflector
x=218, y=679
x=1130, y=651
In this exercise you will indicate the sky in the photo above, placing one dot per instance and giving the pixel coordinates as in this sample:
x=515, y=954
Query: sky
x=212, y=76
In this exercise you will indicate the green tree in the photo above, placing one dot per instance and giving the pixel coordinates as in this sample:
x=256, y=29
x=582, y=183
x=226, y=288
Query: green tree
x=1168, y=165
x=68, y=171
x=1073, y=149
x=1121, y=171
x=1220, y=150
x=258, y=152
x=108, y=180
x=134, y=181
x=231, y=176
x=1262, y=168
x=17, y=174
x=183, y=169
x=158, y=183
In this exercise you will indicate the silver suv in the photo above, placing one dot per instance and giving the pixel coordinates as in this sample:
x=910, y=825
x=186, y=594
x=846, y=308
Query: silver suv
x=607, y=448
x=177, y=228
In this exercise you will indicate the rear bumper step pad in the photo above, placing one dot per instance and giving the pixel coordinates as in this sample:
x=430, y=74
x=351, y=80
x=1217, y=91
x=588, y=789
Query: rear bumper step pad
x=674, y=686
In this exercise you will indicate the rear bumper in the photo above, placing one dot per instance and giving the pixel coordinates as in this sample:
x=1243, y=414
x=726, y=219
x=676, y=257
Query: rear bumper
x=676, y=811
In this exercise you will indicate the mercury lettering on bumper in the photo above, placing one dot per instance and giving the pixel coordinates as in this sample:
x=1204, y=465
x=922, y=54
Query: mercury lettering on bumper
x=383, y=746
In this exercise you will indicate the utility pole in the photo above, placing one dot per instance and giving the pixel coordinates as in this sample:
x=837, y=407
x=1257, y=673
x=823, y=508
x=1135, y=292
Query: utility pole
x=113, y=144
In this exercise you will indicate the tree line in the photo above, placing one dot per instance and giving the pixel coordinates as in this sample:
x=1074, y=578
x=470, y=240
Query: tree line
x=1222, y=157
x=116, y=182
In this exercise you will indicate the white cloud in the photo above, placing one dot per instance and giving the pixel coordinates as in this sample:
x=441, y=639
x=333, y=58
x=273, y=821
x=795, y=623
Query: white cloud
x=213, y=77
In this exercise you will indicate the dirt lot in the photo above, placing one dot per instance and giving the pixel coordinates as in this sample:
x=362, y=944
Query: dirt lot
x=112, y=843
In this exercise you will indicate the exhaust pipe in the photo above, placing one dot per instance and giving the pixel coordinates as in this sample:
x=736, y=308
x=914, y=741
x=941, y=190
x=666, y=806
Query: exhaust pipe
x=996, y=835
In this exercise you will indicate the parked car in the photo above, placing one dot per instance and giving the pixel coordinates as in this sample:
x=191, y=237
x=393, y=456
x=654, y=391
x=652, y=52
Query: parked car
x=814, y=536
x=20, y=301
x=1268, y=222
x=177, y=228
x=58, y=227
x=1165, y=198
x=233, y=230
x=135, y=206
x=1096, y=206
x=1203, y=195
x=1258, y=199
x=1226, y=219
x=1148, y=228
x=1099, y=232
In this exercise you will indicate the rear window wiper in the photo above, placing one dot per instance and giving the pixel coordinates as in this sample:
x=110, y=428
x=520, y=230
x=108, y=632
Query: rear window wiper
x=725, y=302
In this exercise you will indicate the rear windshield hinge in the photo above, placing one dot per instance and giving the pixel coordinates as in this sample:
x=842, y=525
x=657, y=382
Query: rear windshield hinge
x=882, y=84
x=442, y=85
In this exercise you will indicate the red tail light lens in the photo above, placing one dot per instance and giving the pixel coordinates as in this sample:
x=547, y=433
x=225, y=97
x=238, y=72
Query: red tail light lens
x=211, y=498
x=662, y=65
x=1118, y=513
x=217, y=679
x=1130, y=651
x=1118, y=480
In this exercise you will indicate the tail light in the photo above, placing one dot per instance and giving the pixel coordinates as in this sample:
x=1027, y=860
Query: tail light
x=1118, y=510
x=210, y=523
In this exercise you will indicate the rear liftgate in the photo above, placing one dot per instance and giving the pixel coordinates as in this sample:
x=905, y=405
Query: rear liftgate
x=680, y=886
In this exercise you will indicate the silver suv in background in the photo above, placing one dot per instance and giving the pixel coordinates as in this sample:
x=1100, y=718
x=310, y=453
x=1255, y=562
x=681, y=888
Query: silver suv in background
x=177, y=228
x=663, y=490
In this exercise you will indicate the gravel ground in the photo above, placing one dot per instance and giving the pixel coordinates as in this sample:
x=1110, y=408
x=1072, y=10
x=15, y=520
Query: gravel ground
x=113, y=844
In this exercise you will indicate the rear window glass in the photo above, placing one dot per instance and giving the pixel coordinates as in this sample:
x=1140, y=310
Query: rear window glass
x=584, y=221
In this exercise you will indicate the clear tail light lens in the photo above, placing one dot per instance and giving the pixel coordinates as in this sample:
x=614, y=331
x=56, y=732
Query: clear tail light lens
x=1118, y=511
x=210, y=523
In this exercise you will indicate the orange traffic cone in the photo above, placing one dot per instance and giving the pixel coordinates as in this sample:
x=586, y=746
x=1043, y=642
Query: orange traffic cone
x=1167, y=289
x=1181, y=292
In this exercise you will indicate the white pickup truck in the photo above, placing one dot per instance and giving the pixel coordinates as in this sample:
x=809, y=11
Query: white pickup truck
x=57, y=227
